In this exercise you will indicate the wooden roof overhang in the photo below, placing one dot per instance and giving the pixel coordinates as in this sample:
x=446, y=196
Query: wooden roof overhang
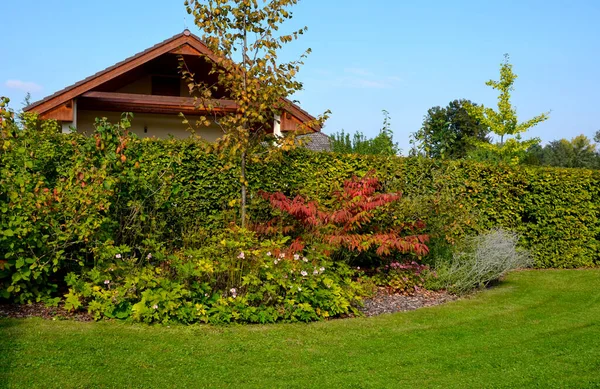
x=129, y=102
x=60, y=105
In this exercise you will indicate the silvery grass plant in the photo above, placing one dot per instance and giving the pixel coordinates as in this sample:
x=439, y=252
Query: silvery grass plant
x=483, y=259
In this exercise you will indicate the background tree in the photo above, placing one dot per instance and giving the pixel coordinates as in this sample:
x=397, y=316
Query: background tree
x=597, y=137
x=449, y=132
x=504, y=122
x=244, y=37
x=382, y=144
x=578, y=152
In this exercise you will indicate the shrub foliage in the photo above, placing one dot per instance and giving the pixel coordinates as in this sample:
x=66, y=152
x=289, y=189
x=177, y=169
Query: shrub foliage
x=70, y=204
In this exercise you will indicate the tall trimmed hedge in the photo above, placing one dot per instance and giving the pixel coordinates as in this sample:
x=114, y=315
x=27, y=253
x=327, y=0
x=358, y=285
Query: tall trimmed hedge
x=557, y=211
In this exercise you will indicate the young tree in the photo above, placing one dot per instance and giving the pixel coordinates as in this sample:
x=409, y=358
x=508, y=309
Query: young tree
x=449, y=132
x=504, y=122
x=244, y=38
x=382, y=144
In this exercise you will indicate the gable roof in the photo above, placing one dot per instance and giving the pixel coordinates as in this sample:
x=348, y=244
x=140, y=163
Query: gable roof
x=183, y=43
x=316, y=141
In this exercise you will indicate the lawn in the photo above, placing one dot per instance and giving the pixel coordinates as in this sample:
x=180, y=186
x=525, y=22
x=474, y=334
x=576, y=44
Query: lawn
x=537, y=329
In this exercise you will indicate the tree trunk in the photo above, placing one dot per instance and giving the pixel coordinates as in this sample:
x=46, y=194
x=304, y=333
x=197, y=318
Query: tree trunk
x=244, y=189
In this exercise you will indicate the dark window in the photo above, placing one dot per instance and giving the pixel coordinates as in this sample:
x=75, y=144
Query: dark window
x=165, y=86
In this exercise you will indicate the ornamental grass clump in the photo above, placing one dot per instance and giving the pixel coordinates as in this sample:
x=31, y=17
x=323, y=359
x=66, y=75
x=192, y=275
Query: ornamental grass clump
x=483, y=259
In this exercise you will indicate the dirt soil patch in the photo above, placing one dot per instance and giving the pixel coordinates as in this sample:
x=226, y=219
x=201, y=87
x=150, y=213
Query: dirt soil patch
x=384, y=302
x=18, y=311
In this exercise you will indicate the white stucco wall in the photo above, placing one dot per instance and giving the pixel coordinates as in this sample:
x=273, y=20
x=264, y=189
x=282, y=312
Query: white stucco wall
x=157, y=125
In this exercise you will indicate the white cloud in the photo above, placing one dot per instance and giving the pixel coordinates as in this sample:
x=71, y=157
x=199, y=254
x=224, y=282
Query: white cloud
x=24, y=86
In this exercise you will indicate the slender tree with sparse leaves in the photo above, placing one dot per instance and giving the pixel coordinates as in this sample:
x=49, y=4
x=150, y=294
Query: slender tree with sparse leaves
x=245, y=40
x=504, y=122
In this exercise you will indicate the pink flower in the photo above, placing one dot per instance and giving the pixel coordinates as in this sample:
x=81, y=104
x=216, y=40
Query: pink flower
x=296, y=257
x=233, y=292
x=241, y=256
x=282, y=255
x=149, y=256
x=268, y=254
x=304, y=274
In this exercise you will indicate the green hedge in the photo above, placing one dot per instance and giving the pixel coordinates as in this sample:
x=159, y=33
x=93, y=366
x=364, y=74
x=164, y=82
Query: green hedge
x=557, y=211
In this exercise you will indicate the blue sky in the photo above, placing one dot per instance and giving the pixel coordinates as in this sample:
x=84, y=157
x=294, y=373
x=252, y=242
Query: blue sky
x=404, y=56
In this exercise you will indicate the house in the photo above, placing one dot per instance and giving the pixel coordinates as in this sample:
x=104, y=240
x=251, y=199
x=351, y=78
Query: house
x=149, y=85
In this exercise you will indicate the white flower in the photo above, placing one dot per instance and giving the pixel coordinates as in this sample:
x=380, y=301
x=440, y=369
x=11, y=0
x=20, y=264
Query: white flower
x=155, y=306
x=299, y=289
x=268, y=254
x=304, y=274
x=305, y=259
x=118, y=256
x=275, y=262
x=315, y=272
x=233, y=292
x=241, y=256
x=322, y=269
x=296, y=257
x=205, y=294
x=106, y=282
x=358, y=268
x=149, y=256
x=282, y=255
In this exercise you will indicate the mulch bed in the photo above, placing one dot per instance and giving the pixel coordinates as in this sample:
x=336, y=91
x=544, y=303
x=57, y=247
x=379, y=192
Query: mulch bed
x=384, y=302
x=40, y=310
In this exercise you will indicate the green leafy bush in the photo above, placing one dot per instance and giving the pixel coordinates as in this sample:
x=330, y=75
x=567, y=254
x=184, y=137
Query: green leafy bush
x=229, y=277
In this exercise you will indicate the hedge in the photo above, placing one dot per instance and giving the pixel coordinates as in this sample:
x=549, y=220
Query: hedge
x=556, y=210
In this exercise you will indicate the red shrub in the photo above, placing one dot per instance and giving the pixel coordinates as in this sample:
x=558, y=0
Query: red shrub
x=350, y=225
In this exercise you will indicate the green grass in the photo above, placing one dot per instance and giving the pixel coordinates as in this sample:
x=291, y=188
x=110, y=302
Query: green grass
x=537, y=329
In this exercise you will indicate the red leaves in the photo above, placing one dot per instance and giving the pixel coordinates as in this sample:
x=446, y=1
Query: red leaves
x=342, y=227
